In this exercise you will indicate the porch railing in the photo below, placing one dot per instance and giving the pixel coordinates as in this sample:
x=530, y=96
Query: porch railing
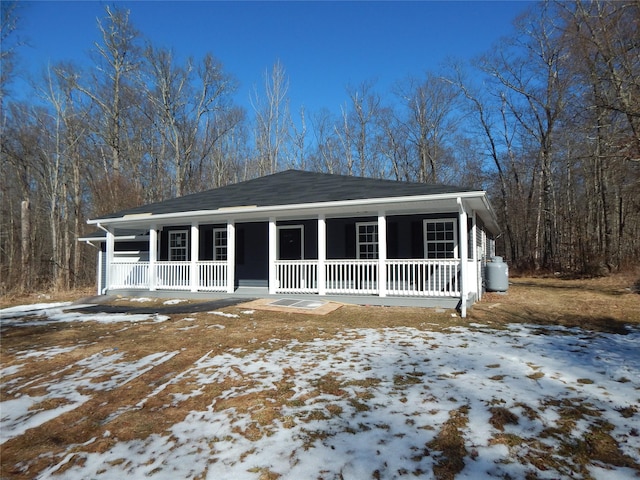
x=297, y=276
x=212, y=276
x=411, y=277
x=423, y=278
x=129, y=275
x=352, y=276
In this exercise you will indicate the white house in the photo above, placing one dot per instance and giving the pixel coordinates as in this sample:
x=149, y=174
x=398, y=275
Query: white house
x=363, y=240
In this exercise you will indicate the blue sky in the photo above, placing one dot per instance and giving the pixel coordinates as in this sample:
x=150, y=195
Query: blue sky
x=324, y=46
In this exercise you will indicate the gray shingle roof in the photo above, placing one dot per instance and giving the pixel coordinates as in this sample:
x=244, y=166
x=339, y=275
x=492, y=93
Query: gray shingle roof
x=290, y=187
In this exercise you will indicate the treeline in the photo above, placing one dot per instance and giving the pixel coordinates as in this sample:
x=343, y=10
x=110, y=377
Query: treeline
x=548, y=122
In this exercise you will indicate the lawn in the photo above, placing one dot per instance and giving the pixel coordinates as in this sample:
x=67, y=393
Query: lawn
x=543, y=382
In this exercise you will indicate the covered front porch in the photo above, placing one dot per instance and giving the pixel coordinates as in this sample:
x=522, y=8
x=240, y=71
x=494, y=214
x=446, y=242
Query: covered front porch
x=414, y=258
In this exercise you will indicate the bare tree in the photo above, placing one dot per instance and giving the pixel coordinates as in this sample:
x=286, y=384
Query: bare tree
x=361, y=129
x=533, y=74
x=189, y=101
x=429, y=118
x=272, y=119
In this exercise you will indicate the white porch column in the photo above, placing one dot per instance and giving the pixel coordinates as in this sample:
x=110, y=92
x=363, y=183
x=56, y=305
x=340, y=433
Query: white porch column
x=194, y=278
x=382, y=254
x=153, y=256
x=476, y=259
x=463, y=249
x=231, y=256
x=273, y=239
x=111, y=240
x=322, y=254
x=99, y=273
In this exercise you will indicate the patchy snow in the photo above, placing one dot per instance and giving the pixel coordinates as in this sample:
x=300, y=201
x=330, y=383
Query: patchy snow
x=22, y=413
x=27, y=316
x=174, y=301
x=363, y=403
x=223, y=314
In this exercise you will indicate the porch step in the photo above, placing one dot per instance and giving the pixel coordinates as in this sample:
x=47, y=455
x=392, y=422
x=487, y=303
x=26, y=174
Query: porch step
x=252, y=291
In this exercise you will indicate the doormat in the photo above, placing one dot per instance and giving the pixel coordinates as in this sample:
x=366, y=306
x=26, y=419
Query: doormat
x=309, y=307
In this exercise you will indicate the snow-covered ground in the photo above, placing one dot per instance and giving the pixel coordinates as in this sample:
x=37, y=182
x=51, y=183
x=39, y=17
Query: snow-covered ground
x=365, y=403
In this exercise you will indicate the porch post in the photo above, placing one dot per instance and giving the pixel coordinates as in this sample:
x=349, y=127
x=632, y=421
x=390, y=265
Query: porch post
x=194, y=278
x=273, y=235
x=382, y=254
x=462, y=222
x=111, y=239
x=99, y=273
x=322, y=254
x=231, y=256
x=153, y=256
x=474, y=242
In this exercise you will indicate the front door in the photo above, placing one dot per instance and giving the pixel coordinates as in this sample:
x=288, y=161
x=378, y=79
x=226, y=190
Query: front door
x=291, y=242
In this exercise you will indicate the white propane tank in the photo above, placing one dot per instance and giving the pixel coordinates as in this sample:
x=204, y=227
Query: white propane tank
x=497, y=275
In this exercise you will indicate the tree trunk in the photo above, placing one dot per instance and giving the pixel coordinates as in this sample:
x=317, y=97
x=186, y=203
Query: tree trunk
x=25, y=231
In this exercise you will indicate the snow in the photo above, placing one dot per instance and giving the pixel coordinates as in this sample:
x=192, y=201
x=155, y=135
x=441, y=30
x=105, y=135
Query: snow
x=43, y=314
x=396, y=388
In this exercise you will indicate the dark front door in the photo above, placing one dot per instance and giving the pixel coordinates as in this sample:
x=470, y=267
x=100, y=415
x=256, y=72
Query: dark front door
x=290, y=243
x=252, y=254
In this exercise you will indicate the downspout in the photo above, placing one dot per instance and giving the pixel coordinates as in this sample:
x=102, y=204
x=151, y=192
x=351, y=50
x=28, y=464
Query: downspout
x=463, y=244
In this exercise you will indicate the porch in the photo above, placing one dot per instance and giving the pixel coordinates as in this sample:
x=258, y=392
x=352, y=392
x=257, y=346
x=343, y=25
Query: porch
x=392, y=277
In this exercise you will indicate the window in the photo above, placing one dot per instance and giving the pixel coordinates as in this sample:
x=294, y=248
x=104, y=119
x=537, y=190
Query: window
x=178, y=246
x=220, y=244
x=440, y=239
x=367, y=240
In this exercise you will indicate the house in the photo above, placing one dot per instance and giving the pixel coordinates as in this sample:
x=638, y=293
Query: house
x=362, y=240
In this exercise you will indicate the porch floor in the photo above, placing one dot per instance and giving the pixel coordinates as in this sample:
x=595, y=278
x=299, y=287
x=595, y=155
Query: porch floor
x=252, y=293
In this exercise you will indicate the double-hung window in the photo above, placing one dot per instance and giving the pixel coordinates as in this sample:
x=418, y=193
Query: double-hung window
x=178, y=245
x=367, y=240
x=220, y=244
x=441, y=238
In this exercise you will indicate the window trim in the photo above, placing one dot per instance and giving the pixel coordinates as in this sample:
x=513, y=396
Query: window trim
x=216, y=247
x=359, y=243
x=456, y=251
x=172, y=249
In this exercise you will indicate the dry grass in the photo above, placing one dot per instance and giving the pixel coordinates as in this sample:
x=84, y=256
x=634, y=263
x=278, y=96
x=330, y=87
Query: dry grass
x=600, y=304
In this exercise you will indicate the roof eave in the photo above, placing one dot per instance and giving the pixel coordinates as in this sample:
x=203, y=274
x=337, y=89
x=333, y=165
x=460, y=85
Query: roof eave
x=244, y=211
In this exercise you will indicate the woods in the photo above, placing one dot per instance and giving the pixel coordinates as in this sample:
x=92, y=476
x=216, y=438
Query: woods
x=548, y=122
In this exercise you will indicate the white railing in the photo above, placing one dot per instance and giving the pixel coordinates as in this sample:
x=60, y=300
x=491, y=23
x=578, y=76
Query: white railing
x=212, y=276
x=411, y=277
x=173, y=275
x=352, y=276
x=423, y=278
x=297, y=276
x=129, y=275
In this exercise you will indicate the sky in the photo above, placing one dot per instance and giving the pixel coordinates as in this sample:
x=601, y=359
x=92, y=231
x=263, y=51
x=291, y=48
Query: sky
x=324, y=46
